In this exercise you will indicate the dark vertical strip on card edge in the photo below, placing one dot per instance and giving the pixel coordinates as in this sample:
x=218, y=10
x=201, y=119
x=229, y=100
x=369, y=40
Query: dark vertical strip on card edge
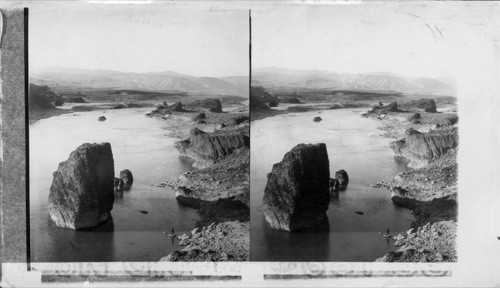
x=26, y=115
x=250, y=116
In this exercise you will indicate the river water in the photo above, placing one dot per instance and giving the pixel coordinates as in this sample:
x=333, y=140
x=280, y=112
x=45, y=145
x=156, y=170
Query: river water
x=139, y=144
x=353, y=144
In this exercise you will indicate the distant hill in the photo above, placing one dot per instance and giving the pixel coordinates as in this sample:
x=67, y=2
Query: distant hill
x=59, y=79
x=288, y=80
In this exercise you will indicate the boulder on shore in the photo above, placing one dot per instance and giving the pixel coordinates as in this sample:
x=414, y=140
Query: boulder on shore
x=343, y=179
x=296, y=196
x=81, y=195
x=101, y=118
x=317, y=119
x=127, y=178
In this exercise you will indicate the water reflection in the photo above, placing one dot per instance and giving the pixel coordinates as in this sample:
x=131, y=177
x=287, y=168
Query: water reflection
x=299, y=246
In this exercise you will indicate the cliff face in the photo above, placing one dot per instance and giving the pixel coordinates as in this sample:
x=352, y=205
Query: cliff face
x=209, y=148
x=296, y=196
x=82, y=195
x=423, y=148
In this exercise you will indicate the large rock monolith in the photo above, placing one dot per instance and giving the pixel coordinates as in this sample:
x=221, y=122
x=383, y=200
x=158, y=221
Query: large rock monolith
x=297, y=192
x=81, y=195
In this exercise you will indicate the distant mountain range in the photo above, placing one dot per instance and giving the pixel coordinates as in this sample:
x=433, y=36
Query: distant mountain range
x=60, y=78
x=278, y=79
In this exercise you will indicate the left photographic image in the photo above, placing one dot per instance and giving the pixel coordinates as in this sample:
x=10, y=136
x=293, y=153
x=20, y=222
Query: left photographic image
x=138, y=133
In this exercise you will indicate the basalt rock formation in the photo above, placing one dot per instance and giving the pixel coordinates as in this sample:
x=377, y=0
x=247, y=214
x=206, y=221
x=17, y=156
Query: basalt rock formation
x=423, y=148
x=424, y=105
x=209, y=148
x=380, y=109
x=207, y=105
x=292, y=100
x=75, y=100
x=296, y=196
x=343, y=179
x=164, y=109
x=81, y=195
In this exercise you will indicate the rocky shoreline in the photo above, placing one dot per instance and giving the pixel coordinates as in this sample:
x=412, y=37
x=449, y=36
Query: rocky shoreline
x=428, y=140
x=219, y=144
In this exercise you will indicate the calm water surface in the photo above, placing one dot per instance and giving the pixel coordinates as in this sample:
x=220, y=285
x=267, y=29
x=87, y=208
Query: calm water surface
x=139, y=144
x=355, y=145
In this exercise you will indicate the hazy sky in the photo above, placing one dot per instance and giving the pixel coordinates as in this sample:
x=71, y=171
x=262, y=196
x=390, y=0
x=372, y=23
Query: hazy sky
x=140, y=38
x=409, y=39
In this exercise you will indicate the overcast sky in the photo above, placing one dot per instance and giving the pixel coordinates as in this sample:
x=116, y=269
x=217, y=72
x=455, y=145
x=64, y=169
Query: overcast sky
x=415, y=39
x=140, y=38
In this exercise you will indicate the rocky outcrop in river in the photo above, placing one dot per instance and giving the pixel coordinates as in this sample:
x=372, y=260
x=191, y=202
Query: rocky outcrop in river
x=127, y=178
x=228, y=241
x=164, y=109
x=296, y=196
x=342, y=178
x=430, y=243
x=209, y=148
x=422, y=148
x=81, y=195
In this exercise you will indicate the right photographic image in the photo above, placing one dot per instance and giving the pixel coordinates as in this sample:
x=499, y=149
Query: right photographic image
x=354, y=135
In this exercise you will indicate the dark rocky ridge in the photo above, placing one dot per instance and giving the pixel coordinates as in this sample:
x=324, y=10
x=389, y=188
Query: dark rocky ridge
x=259, y=98
x=424, y=105
x=42, y=103
x=206, y=105
x=208, y=148
x=164, y=109
x=81, y=195
x=296, y=196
